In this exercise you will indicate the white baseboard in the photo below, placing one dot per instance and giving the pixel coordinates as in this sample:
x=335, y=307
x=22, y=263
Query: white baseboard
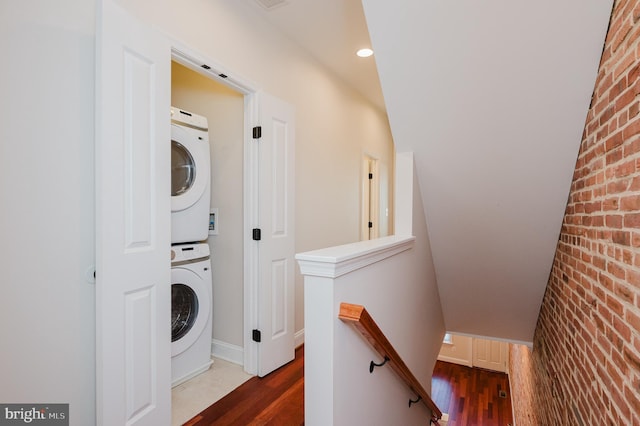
x=455, y=360
x=235, y=354
x=227, y=351
x=299, y=338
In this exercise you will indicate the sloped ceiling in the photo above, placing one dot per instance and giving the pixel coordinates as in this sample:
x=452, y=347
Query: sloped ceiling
x=491, y=96
x=331, y=31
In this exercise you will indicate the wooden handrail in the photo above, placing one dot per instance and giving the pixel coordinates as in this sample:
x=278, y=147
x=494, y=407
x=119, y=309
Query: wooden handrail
x=358, y=316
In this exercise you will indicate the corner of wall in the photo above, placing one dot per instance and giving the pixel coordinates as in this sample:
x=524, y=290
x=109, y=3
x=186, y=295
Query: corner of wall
x=403, y=217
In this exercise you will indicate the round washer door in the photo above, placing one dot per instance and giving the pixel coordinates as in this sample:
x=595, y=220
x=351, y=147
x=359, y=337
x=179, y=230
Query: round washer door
x=190, y=309
x=189, y=168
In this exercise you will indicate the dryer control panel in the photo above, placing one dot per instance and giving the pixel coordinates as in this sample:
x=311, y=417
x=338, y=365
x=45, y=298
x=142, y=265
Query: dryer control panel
x=189, y=252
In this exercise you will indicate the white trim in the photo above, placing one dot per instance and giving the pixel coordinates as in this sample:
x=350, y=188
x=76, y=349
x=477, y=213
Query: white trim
x=299, y=338
x=186, y=56
x=497, y=339
x=459, y=361
x=227, y=351
x=251, y=203
x=336, y=261
x=369, y=197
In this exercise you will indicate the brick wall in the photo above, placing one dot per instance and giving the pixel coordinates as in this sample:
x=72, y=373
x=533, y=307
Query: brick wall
x=584, y=368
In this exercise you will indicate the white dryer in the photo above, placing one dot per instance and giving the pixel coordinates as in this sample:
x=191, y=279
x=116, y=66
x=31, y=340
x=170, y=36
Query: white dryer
x=191, y=311
x=190, y=177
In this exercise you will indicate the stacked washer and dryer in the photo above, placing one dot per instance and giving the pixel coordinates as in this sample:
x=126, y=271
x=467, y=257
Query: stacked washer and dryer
x=191, y=285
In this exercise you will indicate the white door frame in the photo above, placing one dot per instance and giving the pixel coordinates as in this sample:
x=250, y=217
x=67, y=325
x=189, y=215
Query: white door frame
x=195, y=61
x=370, y=199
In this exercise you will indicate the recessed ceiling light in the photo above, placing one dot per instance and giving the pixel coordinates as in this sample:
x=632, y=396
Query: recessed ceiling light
x=271, y=4
x=364, y=53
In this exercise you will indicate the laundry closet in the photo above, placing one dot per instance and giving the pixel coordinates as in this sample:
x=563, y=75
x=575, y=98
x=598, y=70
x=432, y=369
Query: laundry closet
x=223, y=108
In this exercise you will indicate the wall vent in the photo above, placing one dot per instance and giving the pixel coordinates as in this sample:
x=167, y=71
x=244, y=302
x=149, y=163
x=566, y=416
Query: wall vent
x=271, y=4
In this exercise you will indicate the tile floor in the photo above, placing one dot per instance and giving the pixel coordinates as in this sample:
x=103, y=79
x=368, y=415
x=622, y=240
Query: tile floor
x=193, y=396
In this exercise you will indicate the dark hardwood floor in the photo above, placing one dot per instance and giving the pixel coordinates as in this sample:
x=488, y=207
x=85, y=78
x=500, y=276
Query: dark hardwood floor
x=470, y=396
x=277, y=399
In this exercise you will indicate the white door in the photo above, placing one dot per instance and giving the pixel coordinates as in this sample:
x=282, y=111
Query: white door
x=490, y=354
x=133, y=278
x=276, y=247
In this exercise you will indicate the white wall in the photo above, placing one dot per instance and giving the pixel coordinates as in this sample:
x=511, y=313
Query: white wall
x=459, y=351
x=47, y=217
x=401, y=294
x=476, y=352
x=335, y=126
x=224, y=109
x=46, y=171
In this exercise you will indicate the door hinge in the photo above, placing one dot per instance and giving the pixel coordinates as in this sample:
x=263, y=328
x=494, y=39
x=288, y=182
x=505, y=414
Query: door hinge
x=256, y=335
x=257, y=234
x=370, y=224
x=257, y=132
x=370, y=175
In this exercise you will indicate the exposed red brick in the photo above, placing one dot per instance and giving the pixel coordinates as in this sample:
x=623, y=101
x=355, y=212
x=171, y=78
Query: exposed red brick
x=621, y=237
x=635, y=183
x=631, y=130
x=625, y=169
x=614, y=156
x=633, y=277
x=616, y=270
x=625, y=100
x=614, y=141
x=631, y=396
x=632, y=220
x=622, y=328
x=618, y=186
x=614, y=221
x=633, y=320
x=618, y=398
x=610, y=204
x=605, y=281
x=631, y=202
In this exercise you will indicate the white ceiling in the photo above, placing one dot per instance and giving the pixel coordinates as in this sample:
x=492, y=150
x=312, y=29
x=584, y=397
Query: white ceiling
x=491, y=97
x=331, y=31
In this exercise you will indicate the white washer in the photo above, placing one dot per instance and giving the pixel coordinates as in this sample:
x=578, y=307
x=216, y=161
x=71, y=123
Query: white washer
x=190, y=177
x=191, y=311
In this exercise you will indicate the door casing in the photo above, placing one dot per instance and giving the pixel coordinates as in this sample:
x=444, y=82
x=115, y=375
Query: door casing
x=210, y=68
x=194, y=60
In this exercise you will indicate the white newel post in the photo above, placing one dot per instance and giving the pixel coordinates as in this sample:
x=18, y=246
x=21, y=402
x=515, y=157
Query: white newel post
x=327, y=277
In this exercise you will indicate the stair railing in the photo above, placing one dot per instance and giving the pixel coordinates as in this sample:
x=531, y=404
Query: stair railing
x=359, y=318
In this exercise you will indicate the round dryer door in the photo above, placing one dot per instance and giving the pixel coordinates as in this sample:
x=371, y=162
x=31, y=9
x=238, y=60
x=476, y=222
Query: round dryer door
x=190, y=309
x=183, y=169
x=189, y=168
